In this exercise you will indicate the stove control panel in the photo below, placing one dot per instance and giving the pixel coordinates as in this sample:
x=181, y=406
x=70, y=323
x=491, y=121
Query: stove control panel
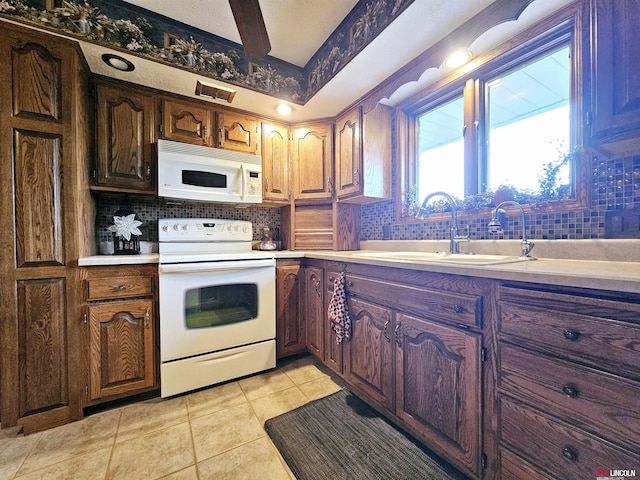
x=204, y=230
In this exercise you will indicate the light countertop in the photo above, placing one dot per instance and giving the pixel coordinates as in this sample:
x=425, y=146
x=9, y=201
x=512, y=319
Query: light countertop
x=604, y=273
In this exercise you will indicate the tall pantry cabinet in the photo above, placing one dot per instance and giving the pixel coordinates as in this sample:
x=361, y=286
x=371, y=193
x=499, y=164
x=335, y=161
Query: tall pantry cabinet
x=45, y=210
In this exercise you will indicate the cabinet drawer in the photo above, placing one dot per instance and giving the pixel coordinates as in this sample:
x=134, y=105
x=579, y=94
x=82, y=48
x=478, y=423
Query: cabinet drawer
x=119, y=287
x=513, y=467
x=557, y=447
x=585, y=332
x=450, y=307
x=602, y=403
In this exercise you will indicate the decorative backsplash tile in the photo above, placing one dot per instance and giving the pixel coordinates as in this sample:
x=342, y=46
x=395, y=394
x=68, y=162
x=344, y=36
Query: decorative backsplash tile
x=149, y=209
x=615, y=185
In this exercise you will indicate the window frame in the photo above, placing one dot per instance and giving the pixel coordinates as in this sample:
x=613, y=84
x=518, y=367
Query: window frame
x=471, y=80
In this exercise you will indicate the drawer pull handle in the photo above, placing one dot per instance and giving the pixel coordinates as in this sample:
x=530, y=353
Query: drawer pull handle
x=121, y=288
x=458, y=309
x=570, y=391
x=571, y=335
x=569, y=454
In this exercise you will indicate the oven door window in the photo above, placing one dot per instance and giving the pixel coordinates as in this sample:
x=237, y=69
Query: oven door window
x=220, y=305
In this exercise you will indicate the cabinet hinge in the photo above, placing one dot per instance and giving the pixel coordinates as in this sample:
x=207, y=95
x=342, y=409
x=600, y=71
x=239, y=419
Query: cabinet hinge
x=483, y=354
x=94, y=175
x=160, y=128
x=483, y=460
x=84, y=318
x=86, y=389
x=587, y=117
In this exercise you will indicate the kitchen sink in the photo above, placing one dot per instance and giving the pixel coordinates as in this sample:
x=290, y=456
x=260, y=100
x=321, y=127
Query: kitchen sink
x=444, y=257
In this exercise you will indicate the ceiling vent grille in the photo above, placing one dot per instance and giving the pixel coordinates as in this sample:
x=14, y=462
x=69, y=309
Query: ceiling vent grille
x=214, y=91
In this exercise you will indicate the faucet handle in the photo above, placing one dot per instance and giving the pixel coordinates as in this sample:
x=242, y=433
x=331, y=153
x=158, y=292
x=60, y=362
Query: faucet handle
x=527, y=246
x=465, y=237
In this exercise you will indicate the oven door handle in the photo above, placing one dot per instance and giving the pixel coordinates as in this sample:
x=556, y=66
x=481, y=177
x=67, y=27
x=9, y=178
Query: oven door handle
x=215, y=266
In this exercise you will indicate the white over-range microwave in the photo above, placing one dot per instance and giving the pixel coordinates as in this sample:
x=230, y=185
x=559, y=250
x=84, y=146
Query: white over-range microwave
x=193, y=172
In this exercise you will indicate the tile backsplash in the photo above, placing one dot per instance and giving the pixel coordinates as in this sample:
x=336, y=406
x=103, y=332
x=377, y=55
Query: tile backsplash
x=615, y=185
x=149, y=209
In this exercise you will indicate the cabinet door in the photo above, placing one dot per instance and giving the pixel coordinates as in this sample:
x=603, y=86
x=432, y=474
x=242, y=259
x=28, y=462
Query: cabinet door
x=312, y=155
x=368, y=356
x=438, y=378
x=42, y=152
x=315, y=311
x=275, y=163
x=238, y=132
x=186, y=122
x=332, y=349
x=289, y=309
x=126, y=131
x=348, y=154
x=615, y=67
x=121, y=353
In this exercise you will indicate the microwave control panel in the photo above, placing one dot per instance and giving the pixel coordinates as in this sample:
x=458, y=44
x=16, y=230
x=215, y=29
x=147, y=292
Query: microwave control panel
x=254, y=183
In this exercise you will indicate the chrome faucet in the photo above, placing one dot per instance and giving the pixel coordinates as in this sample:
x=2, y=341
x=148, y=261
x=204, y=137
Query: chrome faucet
x=496, y=227
x=454, y=238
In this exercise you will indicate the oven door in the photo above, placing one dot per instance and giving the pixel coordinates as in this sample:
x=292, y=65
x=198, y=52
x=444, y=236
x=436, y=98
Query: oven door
x=211, y=306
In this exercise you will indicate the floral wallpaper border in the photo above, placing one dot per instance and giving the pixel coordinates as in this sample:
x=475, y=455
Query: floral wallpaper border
x=123, y=26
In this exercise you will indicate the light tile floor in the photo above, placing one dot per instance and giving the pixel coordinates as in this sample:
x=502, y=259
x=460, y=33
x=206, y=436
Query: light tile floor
x=215, y=433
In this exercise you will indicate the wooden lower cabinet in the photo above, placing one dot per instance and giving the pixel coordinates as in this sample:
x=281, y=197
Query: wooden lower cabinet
x=121, y=353
x=438, y=386
x=568, y=381
x=290, y=331
x=368, y=356
x=315, y=311
x=332, y=349
x=121, y=334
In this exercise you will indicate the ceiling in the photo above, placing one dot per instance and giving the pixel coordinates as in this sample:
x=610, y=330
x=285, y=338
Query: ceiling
x=297, y=28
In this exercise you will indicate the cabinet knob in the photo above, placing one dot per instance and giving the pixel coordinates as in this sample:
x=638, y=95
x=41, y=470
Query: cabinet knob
x=570, y=391
x=122, y=288
x=569, y=454
x=458, y=309
x=331, y=279
x=571, y=335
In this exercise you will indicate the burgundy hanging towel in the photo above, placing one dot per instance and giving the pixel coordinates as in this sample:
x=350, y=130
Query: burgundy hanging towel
x=338, y=312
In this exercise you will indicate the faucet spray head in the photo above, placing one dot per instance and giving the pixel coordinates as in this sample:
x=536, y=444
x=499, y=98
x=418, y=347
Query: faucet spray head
x=495, y=227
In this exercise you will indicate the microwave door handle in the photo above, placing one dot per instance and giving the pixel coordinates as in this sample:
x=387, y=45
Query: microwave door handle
x=214, y=266
x=244, y=182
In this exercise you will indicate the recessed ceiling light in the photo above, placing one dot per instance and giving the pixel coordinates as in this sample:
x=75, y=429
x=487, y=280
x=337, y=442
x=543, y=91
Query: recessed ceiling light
x=117, y=62
x=457, y=59
x=284, y=109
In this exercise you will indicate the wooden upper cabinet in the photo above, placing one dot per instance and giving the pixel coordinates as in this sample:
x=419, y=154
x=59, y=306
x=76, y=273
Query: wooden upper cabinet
x=189, y=122
x=615, y=70
x=239, y=132
x=348, y=154
x=275, y=163
x=42, y=99
x=363, y=155
x=125, y=134
x=312, y=162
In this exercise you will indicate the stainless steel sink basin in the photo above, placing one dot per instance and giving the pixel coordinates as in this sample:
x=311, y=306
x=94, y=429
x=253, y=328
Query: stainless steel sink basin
x=444, y=258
